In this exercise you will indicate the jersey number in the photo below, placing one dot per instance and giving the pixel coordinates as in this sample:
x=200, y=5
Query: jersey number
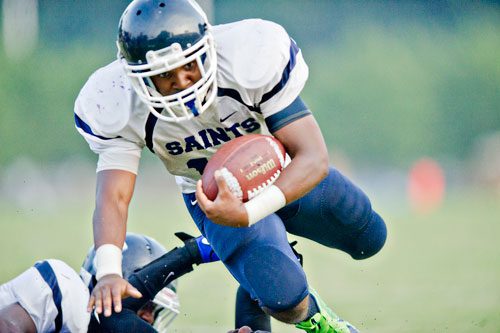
x=198, y=163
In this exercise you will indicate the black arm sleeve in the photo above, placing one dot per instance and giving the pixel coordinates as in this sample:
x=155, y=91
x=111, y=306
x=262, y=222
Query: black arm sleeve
x=149, y=280
x=156, y=275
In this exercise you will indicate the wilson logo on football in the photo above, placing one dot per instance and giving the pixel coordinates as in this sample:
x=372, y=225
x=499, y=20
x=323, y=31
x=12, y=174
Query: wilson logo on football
x=261, y=170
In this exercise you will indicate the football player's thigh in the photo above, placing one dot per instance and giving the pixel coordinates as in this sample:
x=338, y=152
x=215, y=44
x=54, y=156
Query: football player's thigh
x=261, y=259
x=332, y=213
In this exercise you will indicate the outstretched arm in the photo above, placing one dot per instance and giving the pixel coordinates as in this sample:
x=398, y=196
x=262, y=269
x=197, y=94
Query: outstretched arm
x=113, y=194
x=114, y=190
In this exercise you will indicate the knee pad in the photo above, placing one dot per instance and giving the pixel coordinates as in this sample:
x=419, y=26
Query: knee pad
x=345, y=201
x=276, y=279
x=371, y=239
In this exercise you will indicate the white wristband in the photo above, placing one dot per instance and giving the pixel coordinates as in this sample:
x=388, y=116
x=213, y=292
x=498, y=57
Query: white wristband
x=264, y=204
x=108, y=259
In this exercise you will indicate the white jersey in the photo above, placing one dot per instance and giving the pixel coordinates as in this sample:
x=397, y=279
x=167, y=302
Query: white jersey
x=260, y=74
x=52, y=294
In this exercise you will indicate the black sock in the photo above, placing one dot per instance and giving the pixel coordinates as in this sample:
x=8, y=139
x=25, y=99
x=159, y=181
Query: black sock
x=313, y=307
x=249, y=313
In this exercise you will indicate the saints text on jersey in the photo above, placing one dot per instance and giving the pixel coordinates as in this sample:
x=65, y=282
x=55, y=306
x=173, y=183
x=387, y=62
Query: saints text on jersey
x=211, y=137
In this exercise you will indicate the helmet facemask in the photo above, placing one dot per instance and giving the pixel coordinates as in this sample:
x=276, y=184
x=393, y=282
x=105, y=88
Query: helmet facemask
x=166, y=308
x=188, y=103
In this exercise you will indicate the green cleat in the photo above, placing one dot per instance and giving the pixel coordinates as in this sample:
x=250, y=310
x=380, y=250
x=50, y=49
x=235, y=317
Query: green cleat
x=325, y=321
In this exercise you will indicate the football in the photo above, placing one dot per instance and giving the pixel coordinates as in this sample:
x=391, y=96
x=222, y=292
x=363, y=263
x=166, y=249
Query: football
x=249, y=164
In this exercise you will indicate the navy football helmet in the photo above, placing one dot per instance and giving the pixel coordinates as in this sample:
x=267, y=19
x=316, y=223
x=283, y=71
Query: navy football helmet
x=138, y=251
x=156, y=36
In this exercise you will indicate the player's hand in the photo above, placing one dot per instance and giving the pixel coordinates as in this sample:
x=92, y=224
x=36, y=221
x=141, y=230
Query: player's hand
x=226, y=209
x=246, y=329
x=109, y=291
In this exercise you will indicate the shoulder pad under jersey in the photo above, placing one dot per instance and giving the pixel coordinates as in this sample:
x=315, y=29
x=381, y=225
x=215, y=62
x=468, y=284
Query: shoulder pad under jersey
x=105, y=101
x=252, y=53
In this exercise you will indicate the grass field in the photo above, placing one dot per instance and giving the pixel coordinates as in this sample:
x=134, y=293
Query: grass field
x=438, y=273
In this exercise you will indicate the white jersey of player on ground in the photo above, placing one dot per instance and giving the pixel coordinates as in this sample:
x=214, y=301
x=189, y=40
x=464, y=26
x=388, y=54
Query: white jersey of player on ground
x=53, y=294
x=257, y=76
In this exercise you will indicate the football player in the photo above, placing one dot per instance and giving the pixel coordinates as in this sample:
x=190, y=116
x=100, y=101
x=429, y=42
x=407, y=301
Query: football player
x=48, y=297
x=181, y=88
x=52, y=297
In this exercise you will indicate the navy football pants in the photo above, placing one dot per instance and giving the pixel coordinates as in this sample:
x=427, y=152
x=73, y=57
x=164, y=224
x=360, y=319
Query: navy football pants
x=335, y=213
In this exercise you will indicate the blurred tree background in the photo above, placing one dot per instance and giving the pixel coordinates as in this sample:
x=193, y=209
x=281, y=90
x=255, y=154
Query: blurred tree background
x=389, y=81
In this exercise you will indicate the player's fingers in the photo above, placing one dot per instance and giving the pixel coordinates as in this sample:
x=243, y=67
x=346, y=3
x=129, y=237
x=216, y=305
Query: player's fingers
x=132, y=291
x=116, y=296
x=245, y=329
x=203, y=201
x=91, y=303
x=106, y=301
x=221, y=182
x=98, y=301
x=224, y=190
